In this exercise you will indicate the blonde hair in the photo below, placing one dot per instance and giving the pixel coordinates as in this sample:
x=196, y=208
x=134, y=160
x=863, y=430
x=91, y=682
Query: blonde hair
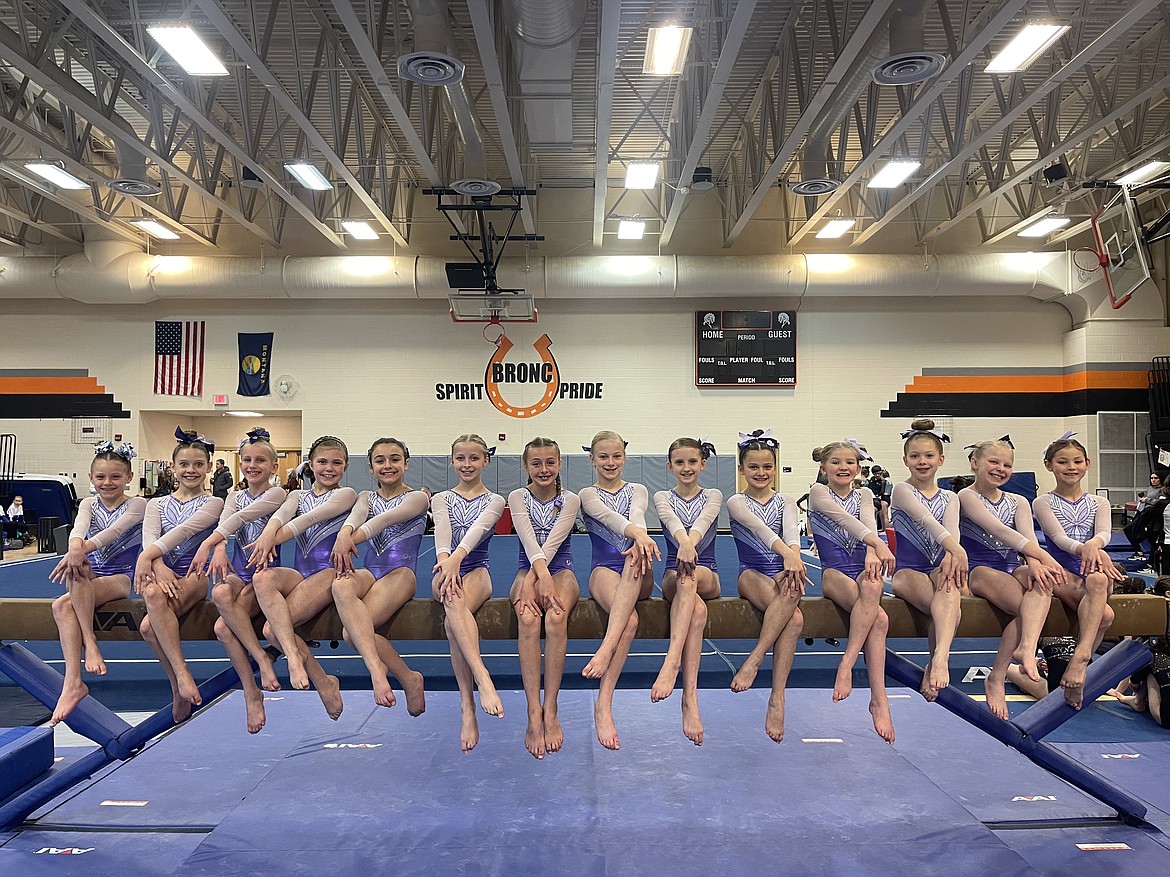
x=979, y=449
x=260, y=443
x=606, y=435
x=471, y=438
x=828, y=449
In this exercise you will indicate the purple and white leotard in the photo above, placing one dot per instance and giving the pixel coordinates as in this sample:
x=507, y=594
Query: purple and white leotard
x=839, y=527
x=177, y=528
x=756, y=526
x=245, y=516
x=393, y=527
x=1069, y=525
x=696, y=515
x=544, y=528
x=606, y=517
x=921, y=524
x=993, y=533
x=314, y=521
x=116, y=534
x=466, y=523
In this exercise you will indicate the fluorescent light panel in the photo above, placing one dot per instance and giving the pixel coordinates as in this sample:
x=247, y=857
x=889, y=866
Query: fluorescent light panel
x=836, y=228
x=892, y=175
x=58, y=177
x=243, y=414
x=666, y=50
x=155, y=229
x=1145, y=172
x=1044, y=227
x=631, y=229
x=641, y=174
x=1028, y=45
x=359, y=229
x=308, y=176
x=188, y=50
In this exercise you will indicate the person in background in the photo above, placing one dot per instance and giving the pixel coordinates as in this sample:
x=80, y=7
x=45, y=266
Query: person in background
x=221, y=480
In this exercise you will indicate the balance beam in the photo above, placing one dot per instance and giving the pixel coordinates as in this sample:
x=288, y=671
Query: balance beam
x=728, y=618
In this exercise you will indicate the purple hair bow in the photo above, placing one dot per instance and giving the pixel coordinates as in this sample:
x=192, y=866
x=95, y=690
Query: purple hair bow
x=937, y=433
x=189, y=437
x=763, y=436
x=259, y=434
x=862, y=453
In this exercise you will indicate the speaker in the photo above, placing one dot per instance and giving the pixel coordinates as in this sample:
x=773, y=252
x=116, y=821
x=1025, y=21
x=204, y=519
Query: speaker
x=1055, y=173
x=465, y=275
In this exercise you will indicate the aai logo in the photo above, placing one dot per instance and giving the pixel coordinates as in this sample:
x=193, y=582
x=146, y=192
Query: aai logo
x=1120, y=755
x=1034, y=798
x=66, y=851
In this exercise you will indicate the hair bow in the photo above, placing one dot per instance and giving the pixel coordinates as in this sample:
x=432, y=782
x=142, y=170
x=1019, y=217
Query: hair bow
x=126, y=451
x=189, y=437
x=763, y=436
x=491, y=452
x=587, y=449
x=259, y=434
x=706, y=448
x=306, y=466
x=1066, y=436
x=936, y=432
x=862, y=453
x=106, y=447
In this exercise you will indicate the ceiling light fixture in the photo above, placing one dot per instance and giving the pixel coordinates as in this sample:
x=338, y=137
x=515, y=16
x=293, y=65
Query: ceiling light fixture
x=188, y=50
x=56, y=175
x=243, y=414
x=631, y=229
x=893, y=174
x=641, y=174
x=1044, y=227
x=666, y=50
x=155, y=229
x=1028, y=45
x=359, y=229
x=308, y=176
x=1142, y=174
x=836, y=228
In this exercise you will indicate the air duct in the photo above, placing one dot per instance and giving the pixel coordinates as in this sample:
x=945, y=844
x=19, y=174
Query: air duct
x=545, y=36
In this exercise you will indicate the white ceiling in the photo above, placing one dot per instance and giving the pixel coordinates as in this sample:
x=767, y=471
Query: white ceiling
x=554, y=92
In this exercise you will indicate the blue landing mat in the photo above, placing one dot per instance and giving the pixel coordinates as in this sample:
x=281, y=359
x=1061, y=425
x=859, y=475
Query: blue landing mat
x=1141, y=768
x=85, y=854
x=1055, y=852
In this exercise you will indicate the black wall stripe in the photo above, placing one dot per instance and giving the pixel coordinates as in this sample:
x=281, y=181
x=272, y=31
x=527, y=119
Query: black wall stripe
x=37, y=405
x=1066, y=404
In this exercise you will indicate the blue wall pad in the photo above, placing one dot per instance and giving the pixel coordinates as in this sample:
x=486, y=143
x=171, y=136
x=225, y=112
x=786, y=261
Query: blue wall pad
x=25, y=754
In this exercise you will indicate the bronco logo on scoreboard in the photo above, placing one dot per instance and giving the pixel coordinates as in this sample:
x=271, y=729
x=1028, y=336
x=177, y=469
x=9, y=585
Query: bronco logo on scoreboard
x=505, y=381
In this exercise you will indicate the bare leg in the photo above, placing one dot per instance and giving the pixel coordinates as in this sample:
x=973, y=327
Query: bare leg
x=463, y=635
x=943, y=607
x=180, y=706
x=73, y=691
x=1034, y=607
x=1031, y=687
x=624, y=598
x=238, y=655
x=854, y=596
x=85, y=594
x=692, y=654
x=783, y=653
x=528, y=647
x=306, y=598
x=1005, y=592
x=384, y=598
x=762, y=592
x=164, y=613
x=680, y=592
x=272, y=586
x=875, y=665
x=556, y=631
x=237, y=607
x=1154, y=697
x=1093, y=618
x=359, y=630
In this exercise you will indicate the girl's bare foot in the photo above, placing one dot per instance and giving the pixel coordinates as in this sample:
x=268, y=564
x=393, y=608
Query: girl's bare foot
x=383, y=693
x=468, y=729
x=254, y=705
x=180, y=709
x=774, y=717
x=1028, y=663
x=534, y=734
x=996, y=696
x=71, y=696
x=743, y=680
x=268, y=678
x=664, y=684
x=607, y=734
x=554, y=735
x=330, y=694
x=691, y=723
x=489, y=698
x=416, y=698
x=843, y=684
x=94, y=662
x=297, y=677
x=883, y=723
x=598, y=664
x=188, y=689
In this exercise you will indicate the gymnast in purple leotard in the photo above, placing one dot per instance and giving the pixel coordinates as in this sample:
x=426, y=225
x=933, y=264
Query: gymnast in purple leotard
x=173, y=529
x=932, y=565
x=688, y=513
x=465, y=517
x=289, y=597
x=391, y=521
x=245, y=515
x=545, y=585
x=1077, y=525
x=97, y=568
x=623, y=568
x=996, y=529
x=855, y=561
x=772, y=575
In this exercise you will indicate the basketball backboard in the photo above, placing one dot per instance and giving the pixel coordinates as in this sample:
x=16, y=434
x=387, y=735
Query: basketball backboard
x=1117, y=237
x=501, y=307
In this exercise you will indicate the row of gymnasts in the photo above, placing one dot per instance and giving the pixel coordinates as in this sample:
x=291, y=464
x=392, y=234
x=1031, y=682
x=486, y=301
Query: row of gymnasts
x=173, y=548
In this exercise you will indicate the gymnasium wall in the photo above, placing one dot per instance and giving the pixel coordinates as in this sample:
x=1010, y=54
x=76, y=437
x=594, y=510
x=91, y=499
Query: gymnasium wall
x=369, y=368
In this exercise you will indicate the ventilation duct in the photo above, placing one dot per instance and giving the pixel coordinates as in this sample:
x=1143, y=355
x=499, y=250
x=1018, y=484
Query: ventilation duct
x=545, y=36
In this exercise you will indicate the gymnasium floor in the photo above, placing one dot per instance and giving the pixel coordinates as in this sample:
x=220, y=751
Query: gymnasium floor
x=379, y=790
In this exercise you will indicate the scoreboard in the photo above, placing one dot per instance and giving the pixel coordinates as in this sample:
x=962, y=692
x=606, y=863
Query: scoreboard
x=745, y=348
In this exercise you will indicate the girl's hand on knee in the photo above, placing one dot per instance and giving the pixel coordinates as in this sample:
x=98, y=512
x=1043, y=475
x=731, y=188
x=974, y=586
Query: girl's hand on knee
x=343, y=554
x=220, y=567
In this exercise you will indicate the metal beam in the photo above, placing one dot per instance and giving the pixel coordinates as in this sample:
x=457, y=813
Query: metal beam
x=140, y=65
x=256, y=67
x=607, y=49
x=728, y=54
x=852, y=50
x=1004, y=123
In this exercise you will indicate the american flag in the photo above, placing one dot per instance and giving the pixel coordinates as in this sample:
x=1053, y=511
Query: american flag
x=178, y=358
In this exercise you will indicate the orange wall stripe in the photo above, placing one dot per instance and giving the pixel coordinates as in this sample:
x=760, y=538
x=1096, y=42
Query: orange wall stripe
x=1115, y=380
x=51, y=386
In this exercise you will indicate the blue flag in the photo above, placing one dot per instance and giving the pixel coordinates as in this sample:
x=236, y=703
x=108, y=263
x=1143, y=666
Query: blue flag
x=255, y=356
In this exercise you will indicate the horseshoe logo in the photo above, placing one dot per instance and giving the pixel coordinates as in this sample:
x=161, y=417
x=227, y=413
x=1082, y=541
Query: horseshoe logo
x=542, y=346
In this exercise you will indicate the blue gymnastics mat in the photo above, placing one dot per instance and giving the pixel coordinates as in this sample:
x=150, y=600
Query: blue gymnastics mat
x=380, y=792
